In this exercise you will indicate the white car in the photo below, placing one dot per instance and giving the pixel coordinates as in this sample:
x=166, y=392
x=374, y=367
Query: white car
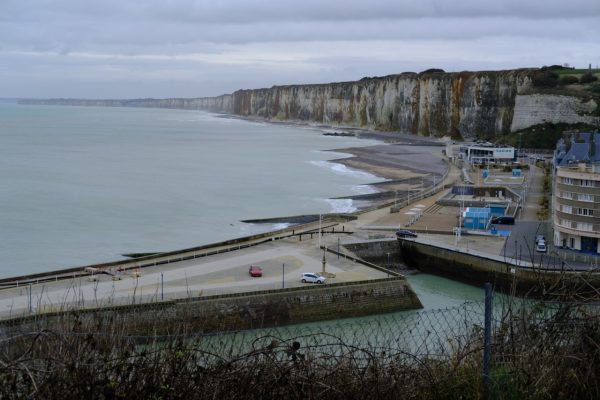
x=541, y=247
x=311, y=277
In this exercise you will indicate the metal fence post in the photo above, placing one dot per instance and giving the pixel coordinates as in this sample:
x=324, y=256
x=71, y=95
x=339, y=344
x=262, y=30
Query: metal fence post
x=487, y=341
x=30, y=308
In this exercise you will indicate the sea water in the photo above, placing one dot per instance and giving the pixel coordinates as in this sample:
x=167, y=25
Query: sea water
x=83, y=185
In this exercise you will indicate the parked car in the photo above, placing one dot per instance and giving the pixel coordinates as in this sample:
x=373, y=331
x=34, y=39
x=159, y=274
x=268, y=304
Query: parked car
x=402, y=233
x=539, y=238
x=541, y=247
x=255, y=272
x=503, y=220
x=311, y=277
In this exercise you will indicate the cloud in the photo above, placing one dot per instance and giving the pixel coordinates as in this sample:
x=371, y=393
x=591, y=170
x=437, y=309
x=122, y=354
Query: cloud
x=215, y=45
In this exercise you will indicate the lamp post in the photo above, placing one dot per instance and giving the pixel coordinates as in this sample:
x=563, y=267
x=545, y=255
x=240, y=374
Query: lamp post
x=283, y=276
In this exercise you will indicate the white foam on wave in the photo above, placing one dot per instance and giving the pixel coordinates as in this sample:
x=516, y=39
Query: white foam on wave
x=248, y=229
x=364, y=189
x=341, y=205
x=282, y=225
x=341, y=169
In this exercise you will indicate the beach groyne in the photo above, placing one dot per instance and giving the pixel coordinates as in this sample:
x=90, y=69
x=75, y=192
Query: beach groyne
x=237, y=311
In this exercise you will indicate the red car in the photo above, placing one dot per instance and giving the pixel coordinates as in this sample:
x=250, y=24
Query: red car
x=255, y=271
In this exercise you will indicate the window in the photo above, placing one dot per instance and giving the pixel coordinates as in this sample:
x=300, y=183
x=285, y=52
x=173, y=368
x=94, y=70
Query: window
x=572, y=243
x=586, y=211
x=586, y=197
x=588, y=183
x=566, y=209
x=568, y=181
x=566, y=195
x=566, y=223
x=584, y=226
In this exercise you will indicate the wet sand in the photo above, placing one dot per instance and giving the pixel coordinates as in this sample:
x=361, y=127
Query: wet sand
x=404, y=161
x=403, y=168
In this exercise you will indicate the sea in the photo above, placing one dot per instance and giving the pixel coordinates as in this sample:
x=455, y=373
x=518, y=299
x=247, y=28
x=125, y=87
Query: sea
x=85, y=185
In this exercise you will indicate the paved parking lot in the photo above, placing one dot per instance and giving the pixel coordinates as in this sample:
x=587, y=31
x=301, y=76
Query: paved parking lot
x=282, y=263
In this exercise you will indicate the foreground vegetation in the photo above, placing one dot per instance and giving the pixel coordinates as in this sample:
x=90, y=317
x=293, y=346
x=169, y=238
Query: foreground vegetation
x=540, y=350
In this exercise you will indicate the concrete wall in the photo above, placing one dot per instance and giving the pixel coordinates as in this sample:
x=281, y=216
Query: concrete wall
x=476, y=270
x=535, y=109
x=235, y=311
x=376, y=252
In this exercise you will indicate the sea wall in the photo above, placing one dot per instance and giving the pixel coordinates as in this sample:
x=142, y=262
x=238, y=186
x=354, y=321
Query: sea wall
x=376, y=251
x=236, y=311
x=534, y=282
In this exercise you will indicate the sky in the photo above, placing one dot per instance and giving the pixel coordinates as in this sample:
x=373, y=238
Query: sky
x=197, y=48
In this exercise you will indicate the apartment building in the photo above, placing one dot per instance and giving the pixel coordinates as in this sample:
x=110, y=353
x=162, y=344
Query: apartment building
x=576, y=198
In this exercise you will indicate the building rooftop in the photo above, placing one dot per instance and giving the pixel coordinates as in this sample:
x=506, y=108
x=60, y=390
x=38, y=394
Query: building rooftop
x=584, y=147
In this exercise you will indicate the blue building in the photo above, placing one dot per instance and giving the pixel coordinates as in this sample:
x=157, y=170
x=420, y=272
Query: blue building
x=477, y=217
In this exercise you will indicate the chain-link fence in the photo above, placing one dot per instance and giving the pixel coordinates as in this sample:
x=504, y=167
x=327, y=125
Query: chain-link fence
x=538, y=349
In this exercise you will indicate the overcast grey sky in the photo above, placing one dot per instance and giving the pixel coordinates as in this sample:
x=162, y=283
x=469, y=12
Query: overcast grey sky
x=188, y=48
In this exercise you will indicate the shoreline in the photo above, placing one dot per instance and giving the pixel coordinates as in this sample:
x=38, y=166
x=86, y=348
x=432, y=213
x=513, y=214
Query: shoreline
x=400, y=172
x=359, y=201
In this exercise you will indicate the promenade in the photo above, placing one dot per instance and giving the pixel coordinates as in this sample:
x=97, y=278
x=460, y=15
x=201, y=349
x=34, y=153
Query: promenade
x=283, y=255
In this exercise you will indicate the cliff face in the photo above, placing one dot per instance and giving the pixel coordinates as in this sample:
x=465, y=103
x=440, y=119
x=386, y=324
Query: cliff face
x=470, y=103
x=473, y=104
x=222, y=103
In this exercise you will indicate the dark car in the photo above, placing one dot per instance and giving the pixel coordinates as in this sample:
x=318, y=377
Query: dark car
x=255, y=271
x=503, y=220
x=403, y=233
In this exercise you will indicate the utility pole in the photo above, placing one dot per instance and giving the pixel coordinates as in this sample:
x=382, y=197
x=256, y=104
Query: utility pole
x=320, y=217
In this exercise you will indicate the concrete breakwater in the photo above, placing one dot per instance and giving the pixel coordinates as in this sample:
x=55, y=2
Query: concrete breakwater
x=237, y=311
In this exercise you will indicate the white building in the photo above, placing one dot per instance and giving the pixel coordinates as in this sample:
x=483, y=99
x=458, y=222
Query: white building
x=576, y=195
x=487, y=154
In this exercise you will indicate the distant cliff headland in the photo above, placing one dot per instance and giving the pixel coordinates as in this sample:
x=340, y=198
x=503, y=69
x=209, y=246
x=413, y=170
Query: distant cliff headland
x=487, y=104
